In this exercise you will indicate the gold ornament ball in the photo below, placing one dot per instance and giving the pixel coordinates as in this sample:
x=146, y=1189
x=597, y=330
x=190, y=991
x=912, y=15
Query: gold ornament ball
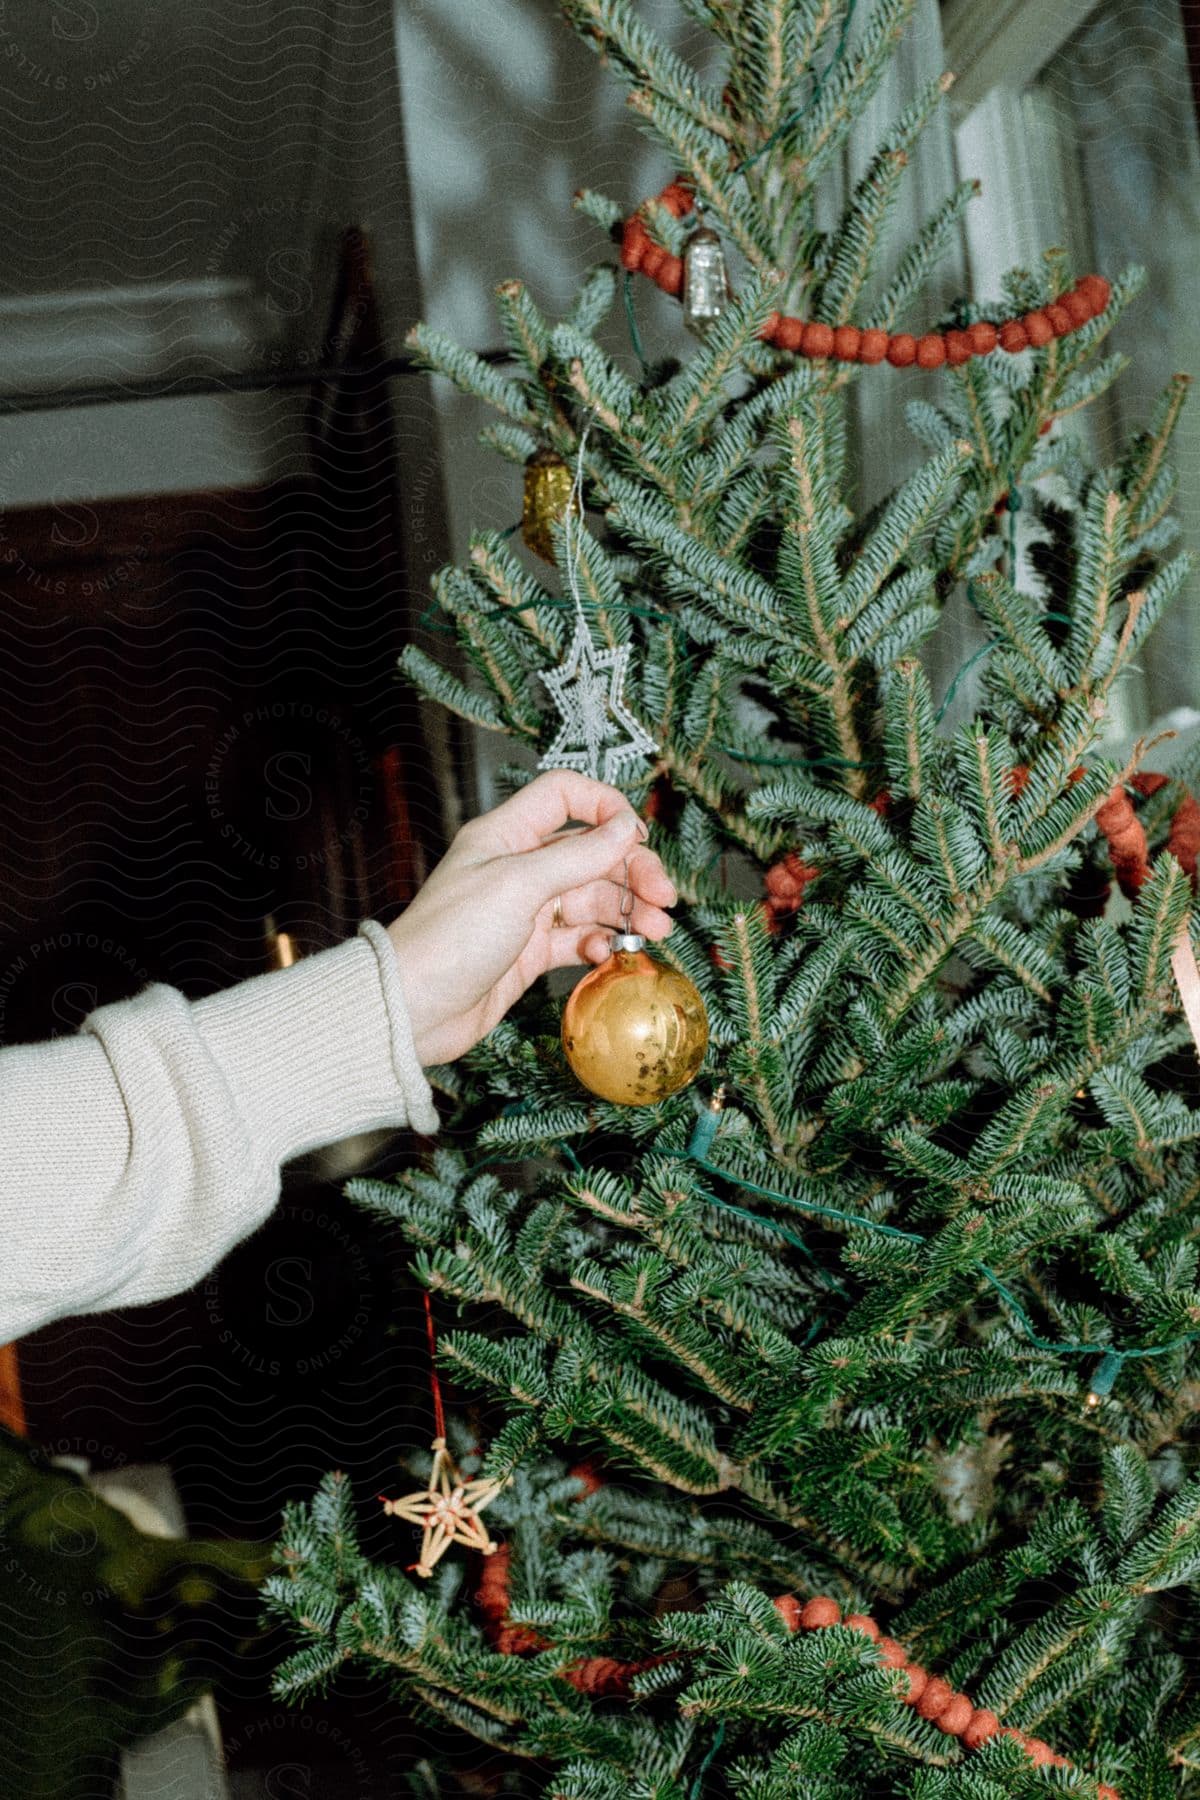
x=547, y=495
x=634, y=1030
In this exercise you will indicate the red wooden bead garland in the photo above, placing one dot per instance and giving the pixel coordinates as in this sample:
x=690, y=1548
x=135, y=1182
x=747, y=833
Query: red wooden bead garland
x=1184, y=839
x=847, y=343
x=600, y=1675
x=928, y=1695
x=955, y=1718
x=1013, y=337
x=1125, y=833
x=1127, y=844
x=936, y=1698
x=815, y=1614
x=982, y=1726
x=916, y=1679
x=786, y=880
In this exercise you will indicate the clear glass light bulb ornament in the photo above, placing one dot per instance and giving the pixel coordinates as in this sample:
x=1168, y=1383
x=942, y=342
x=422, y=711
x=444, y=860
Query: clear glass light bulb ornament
x=706, y=289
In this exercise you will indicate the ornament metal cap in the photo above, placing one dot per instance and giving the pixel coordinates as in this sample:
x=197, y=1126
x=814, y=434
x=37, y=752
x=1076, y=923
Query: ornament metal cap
x=626, y=940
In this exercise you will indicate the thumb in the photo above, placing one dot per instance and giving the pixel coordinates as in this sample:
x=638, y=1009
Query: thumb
x=582, y=856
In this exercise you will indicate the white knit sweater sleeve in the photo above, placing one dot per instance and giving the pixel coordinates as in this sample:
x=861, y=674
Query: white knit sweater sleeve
x=136, y=1153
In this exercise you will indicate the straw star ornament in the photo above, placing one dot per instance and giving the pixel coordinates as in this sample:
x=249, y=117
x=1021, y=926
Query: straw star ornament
x=448, y=1509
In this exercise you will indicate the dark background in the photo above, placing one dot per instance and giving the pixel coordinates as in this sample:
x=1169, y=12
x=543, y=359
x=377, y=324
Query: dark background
x=206, y=745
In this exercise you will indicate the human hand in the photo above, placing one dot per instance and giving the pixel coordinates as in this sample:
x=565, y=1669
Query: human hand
x=482, y=928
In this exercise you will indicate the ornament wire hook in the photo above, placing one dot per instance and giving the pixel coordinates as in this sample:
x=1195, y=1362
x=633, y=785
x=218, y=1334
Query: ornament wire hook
x=571, y=524
x=627, y=938
x=626, y=897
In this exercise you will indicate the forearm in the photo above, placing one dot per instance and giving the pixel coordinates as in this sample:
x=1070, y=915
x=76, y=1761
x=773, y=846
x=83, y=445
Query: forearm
x=137, y=1153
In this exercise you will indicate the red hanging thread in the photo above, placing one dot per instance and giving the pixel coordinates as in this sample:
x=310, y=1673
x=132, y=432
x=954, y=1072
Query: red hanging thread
x=435, y=1386
x=847, y=343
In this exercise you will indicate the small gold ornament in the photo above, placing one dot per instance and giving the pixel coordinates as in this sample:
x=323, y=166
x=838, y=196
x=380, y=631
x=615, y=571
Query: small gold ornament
x=448, y=1507
x=634, y=1030
x=548, y=483
x=706, y=288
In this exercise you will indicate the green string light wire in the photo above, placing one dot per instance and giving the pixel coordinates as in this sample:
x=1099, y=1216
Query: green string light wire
x=635, y=336
x=1110, y=1360
x=792, y=1237
x=805, y=1206
x=984, y=650
x=794, y=762
x=748, y=162
x=697, y=1787
x=1105, y=1351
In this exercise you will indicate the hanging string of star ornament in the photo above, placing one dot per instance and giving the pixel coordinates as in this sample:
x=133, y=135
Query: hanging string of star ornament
x=447, y=1508
x=599, y=735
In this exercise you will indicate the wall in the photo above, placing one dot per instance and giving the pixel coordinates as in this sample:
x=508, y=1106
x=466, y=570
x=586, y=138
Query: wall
x=173, y=210
x=506, y=113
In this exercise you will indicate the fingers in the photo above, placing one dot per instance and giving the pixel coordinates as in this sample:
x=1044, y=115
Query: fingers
x=570, y=948
x=581, y=857
x=594, y=947
x=649, y=879
x=600, y=904
x=530, y=816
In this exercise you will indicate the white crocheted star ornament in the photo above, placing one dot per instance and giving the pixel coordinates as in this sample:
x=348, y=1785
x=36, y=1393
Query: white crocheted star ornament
x=588, y=691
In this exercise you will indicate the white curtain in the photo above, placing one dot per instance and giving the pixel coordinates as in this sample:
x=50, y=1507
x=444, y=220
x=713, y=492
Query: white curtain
x=1120, y=94
x=1100, y=155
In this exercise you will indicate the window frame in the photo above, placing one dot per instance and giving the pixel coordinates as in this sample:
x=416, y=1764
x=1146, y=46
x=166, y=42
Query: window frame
x=1004, y=43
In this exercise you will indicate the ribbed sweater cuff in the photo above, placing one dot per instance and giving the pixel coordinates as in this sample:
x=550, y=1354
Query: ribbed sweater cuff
x=320, y=1051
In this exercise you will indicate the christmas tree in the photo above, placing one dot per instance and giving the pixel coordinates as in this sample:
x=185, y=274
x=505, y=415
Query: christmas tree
x=843, y=1400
